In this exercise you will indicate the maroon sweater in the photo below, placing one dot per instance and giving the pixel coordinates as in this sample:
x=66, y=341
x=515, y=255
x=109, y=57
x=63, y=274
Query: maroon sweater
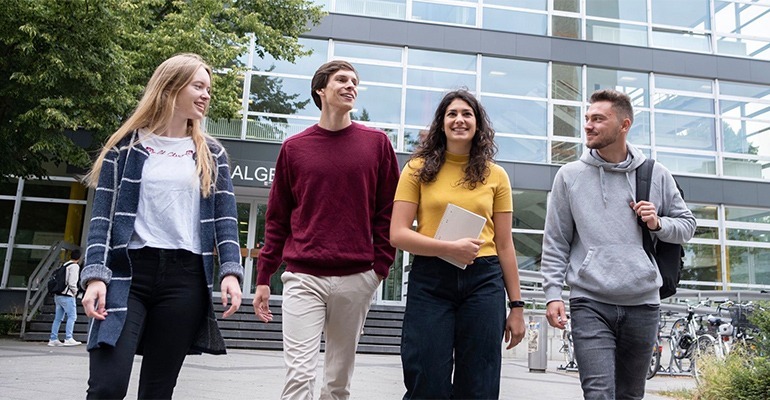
x=330, y=203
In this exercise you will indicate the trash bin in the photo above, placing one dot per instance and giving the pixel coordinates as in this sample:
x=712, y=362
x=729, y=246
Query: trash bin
x=537, y=343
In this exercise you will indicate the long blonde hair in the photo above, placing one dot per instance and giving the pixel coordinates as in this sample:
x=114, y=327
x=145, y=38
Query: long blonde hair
x=155, y=111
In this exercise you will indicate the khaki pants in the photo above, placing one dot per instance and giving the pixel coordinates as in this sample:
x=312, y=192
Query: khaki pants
x=334, y=305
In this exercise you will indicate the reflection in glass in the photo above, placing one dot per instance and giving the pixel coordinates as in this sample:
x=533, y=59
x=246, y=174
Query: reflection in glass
x=744, y=90
x=564, y=152
x=747, y=214
x=566, y=27
x=684, y=131
x=515, y=77
x=420, y=106
x=378, y=73
x=277, y=95
x=614, y=32
x=425, y=58
x=681, y=40
x=394, y=283
x=443, y=13
x=274, y=129
x=684, y=84
x=744, y=168
x=742, y=18
x=373, y=8
x=703, y=211
x=518, y=149
x=745, y=109
x=629, y=10
x=566, y=5
x=515, y=21
x=567, y=121
x=367, y=51
x=742, y=47
x=517, y=116
x=531, y=4
x=567, y=81
x=639, y=134
x=746, y=136
x=748, y=265
x=702, y=262
x=675, y=102
x=440, y=79
x=378, y=104
x=706, y=232
x=688, y=163
x=281, y=96
x=6, y=213
x=529, y=209
x=301, y=66
x=529, y=250
x=749, y=235
x=634, y=84
x=689, y=14
x=412, y=138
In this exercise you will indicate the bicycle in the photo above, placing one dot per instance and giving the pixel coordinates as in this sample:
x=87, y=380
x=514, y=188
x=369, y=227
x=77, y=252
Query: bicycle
x=657, y=349
x=689, y=341
x=568, y=348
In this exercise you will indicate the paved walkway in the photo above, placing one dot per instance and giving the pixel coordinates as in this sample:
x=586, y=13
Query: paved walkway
x=32, y=370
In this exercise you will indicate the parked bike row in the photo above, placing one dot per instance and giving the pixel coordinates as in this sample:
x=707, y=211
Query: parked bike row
x=709, y=328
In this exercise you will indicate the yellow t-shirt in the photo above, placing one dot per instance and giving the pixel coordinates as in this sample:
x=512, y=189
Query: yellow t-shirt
x=432, y=198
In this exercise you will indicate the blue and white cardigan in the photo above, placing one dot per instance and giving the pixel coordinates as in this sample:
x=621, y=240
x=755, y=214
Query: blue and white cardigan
x=112, y=225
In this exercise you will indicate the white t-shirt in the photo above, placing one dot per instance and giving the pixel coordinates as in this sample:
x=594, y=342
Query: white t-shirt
x=168, y=214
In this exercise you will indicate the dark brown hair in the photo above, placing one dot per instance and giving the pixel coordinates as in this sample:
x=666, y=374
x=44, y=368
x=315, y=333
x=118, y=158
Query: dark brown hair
x=432, y=148
x=321, y=77
x=621, y=103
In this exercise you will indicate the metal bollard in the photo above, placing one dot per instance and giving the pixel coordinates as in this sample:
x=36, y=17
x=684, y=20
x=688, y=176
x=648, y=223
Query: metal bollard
x=537, y=343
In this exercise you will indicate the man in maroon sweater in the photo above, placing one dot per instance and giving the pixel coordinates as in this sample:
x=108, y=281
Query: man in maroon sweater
x=328, y=218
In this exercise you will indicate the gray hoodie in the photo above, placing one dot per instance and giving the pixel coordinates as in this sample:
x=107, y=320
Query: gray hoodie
x=591, y=236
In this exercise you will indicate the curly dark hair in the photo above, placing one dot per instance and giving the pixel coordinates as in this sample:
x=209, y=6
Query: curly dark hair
x=432, y=148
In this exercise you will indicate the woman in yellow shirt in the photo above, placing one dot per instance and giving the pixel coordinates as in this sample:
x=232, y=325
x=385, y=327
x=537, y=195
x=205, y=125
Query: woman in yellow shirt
x=455, y=318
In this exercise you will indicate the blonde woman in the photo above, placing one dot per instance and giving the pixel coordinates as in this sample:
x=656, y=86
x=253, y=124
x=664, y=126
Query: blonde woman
x=163, y=200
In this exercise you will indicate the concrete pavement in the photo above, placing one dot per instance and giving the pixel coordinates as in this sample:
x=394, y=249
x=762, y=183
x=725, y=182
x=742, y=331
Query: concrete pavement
x=32, y=370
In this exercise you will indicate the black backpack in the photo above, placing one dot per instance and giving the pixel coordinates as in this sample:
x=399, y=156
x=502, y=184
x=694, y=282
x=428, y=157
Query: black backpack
x=57, y=283
x=668, y=256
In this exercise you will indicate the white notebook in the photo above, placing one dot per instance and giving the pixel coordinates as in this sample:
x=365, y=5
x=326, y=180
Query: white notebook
x=458, y=223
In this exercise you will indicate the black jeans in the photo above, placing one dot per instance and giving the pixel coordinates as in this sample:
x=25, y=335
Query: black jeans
x=454, y=320
x=166, y=306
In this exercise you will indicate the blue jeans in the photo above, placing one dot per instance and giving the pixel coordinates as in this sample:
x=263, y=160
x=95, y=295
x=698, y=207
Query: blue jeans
x=65, y=306
x=167, y=304
x=613, y=347
x=454, y=319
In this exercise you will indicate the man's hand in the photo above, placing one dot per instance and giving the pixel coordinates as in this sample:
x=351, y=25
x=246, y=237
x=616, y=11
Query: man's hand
x=647, y=212
x=230, y=286
x=261, y=303
x=95, y=300
x=556, y=315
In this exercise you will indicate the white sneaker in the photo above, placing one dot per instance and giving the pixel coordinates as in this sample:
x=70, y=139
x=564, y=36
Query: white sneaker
x=71, y=342
x=55, y=343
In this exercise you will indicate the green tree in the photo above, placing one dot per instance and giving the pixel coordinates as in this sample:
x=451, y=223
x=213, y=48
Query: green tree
x=71, y=69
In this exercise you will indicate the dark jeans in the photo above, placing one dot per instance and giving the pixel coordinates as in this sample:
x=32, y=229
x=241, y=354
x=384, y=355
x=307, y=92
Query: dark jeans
x=166, y=306
x=613, y=347
x=454, y=318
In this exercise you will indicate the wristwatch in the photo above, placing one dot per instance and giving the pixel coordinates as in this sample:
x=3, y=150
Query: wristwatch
x=516, y=304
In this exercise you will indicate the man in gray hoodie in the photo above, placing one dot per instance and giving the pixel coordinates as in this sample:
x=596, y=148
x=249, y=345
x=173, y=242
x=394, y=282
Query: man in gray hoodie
x=593, y=243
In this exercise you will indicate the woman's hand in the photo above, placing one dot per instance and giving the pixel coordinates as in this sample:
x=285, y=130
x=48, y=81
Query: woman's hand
x=465, y=250
x=514, y=327
x=95, y=300
x=230, y=286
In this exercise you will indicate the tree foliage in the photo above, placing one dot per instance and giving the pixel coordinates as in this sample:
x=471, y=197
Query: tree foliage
x=74, y=68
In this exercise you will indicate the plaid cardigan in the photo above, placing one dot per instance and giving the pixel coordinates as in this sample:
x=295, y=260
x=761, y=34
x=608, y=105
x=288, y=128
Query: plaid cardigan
x=112, y=223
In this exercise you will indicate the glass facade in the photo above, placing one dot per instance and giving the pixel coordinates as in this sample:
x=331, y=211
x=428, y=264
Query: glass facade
x=727, y=27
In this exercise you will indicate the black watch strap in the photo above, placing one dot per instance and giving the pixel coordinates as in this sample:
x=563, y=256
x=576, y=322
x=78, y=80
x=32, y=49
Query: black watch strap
x=516, y=304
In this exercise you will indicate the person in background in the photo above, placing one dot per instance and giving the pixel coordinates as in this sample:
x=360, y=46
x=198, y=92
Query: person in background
x=593, y=244
x=65, y=304
x=163, y=204
x=455, y=318
x=327, y=217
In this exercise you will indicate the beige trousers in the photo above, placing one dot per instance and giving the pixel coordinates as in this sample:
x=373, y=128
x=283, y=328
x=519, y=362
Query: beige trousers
x=336, y=306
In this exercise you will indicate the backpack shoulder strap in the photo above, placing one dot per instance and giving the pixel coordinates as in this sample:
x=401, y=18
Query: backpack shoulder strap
x=643, y=183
